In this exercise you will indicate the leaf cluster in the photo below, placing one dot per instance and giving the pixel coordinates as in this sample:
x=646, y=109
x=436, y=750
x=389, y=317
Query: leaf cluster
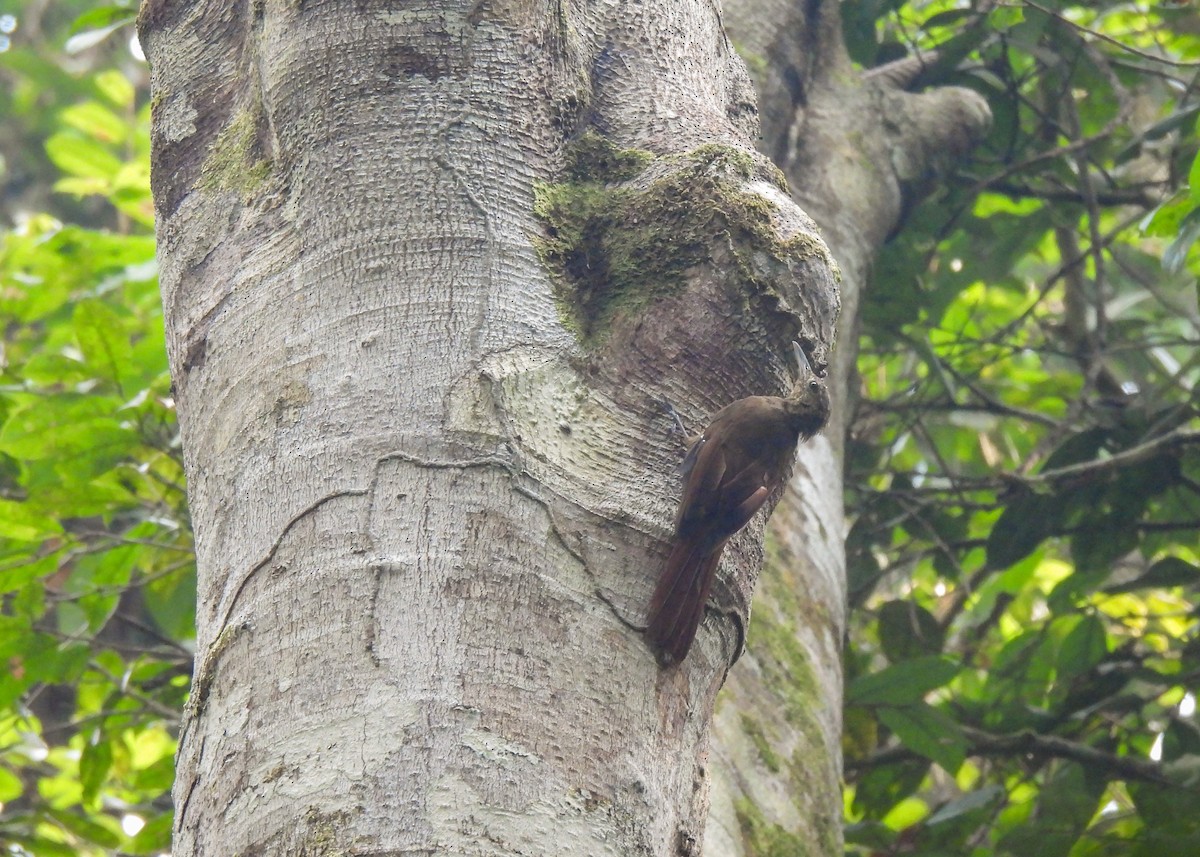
x=1024, y=461
x=97, y=577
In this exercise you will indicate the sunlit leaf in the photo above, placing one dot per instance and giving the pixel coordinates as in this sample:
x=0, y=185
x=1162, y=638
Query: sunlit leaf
x=79, y=156
x=96, y=121
x=20, y=522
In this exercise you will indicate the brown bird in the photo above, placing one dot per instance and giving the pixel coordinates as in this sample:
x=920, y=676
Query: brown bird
x=728, y=474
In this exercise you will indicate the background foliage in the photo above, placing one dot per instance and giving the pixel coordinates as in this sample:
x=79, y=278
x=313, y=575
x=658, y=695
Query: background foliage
x=1022, y=471
x=96, y=570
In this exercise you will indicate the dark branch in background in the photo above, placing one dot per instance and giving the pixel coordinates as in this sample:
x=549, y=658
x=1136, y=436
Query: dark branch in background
x=1037, y=746
x=1088, y=470
x=989, y=402
x=1083, y=472
x=1141, y=196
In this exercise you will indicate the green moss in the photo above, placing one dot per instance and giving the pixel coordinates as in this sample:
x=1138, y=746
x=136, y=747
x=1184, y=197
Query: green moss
x=787, y=671
x=754, y=731
x=739, y=162
x=764, y=839
x=789, y=674
x=614, y=244
x=594, y=160
x=233, y=161
x=785, y=664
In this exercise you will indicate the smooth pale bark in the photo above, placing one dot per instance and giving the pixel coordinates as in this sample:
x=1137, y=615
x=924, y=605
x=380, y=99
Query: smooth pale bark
x=427, y=517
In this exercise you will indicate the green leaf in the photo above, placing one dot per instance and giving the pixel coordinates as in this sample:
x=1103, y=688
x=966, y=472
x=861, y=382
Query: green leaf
x=968, y=803
x=904, y=683
x=84, y=827
x=80, y=444
x=81, y=187
x=882, y=787
x=907, y=630
x=1167, y=808
x=155, y=837
x=94, y=764
x=1194, y=179
x=1023, y=525
x=115, y=87
x=1176, y=254
x=1102, y=541
x=17, y=576
x=53, y=370
x=100, y=16
x=1165, y=220
x=19, y=522
x=1085, y=646
x=1166, y=573
x=85, y=39
x=1005, y=17
x=10, y=786
x=96, y=121
x=79, y=156
x=102, y=339
x=873, y=834
x=927, y=732
x=171, y=601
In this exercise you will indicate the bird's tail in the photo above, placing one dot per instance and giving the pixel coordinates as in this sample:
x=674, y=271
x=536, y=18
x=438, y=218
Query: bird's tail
x=677, y=605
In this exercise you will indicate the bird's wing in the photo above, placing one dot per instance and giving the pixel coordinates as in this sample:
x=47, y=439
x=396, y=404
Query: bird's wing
x=717, y=496
x=704, y=469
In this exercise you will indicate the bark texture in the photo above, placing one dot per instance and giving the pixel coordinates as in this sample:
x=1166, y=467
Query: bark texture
x=428, y=270
x=857, y=149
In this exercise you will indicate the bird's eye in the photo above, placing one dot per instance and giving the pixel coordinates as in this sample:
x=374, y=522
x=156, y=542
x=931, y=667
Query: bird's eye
x=814, y=386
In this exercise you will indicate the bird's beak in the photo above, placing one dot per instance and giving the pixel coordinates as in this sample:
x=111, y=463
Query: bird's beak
x=803, y=367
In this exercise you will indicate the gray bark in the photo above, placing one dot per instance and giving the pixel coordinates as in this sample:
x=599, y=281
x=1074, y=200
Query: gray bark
x=857, y=148
x=430, y=492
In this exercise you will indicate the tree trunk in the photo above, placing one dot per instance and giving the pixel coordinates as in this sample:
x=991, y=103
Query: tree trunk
x=856, y=150
x=428, y=272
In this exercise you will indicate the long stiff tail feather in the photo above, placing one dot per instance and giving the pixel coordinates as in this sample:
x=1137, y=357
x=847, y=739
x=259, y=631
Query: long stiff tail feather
x=677, y=605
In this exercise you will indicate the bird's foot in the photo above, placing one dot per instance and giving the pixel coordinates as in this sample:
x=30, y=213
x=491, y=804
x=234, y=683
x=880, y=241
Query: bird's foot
x=678, y=428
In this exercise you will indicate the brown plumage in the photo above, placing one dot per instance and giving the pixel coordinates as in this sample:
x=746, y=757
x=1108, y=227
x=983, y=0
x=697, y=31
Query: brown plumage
x=729, y=472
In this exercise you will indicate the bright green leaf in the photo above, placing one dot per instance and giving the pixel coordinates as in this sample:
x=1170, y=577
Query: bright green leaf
x=10, y=786
x=79, y=156
x=115, y=87
x=18, y=521
x=96, y=121
x=102, y=339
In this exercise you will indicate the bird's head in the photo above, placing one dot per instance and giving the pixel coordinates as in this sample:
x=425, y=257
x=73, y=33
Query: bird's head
x=809, y=399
